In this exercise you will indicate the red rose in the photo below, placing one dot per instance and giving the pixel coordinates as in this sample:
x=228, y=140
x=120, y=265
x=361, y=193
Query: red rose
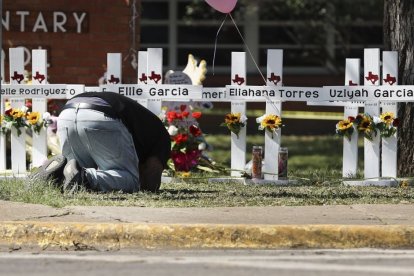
x=185, y=114
x=351, y=118
x=8, y=112
x=171, y=116
x=181, y=138
x=195, y=131
x=396, y=122
x=196, y=115
x=183, y=107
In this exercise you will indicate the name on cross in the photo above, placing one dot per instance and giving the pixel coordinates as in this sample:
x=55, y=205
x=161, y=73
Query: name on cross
x=156, y=91
x=55, y=91
x=273, y=92
x=366, y=93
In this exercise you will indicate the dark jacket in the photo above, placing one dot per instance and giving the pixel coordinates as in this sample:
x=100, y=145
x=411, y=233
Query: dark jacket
x=148, y=132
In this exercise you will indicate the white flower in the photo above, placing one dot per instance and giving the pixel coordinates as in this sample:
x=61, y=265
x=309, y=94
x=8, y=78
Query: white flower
x=8, y=125
x=243, y=119
x=260, y=119
x=24, y=109
x=376, y=120
x=172, y=130
x=46, y=116
x=162, y=115
x=202, y=146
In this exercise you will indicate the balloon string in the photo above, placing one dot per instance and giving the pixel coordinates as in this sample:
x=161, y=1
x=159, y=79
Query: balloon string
x=248, y=49
x=215, y=44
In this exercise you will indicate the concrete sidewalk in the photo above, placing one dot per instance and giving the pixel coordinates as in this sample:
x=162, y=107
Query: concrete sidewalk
x=107, y=228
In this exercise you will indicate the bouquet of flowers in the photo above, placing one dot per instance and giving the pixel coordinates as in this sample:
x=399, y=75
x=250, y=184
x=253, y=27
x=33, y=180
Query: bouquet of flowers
x=23, y=118
x=234, y=122
x=345, y=127
x=269, y=122
x=364, y=123
x=187, y=141
x=36, y=122
x=14, y=117
x=367, y=125
x=388, y=124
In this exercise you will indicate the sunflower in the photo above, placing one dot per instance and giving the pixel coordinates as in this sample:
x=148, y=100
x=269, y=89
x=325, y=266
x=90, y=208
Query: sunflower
x=33, y=118
x=16, y=113
x=232, y=118
x=234, y=122
x=345, y=128
x=344, y=125
x=388, y=124
x=271, y=122
x=387, y=118
x=365, y=125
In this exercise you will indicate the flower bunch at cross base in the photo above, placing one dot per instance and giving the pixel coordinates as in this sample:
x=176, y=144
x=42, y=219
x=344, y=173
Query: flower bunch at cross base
x=19, y=118
x=234, y=122
x=187, y=141
x=270, y=123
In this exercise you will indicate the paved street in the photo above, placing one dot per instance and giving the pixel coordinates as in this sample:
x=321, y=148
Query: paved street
x=210, y=262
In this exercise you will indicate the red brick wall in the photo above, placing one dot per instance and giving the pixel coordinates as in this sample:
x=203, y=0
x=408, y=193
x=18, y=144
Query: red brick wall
x=78, y=58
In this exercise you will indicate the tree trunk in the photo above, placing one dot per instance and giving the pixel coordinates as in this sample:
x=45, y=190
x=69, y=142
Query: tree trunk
x=399, y=36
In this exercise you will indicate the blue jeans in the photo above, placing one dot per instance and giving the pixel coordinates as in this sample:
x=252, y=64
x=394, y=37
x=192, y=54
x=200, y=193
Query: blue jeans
x=103, y=146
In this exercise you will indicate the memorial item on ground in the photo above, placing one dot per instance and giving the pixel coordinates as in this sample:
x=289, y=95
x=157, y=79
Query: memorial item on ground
x=187, y=141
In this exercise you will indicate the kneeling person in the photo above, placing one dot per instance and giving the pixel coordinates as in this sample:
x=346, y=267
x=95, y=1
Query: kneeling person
x=112, y=143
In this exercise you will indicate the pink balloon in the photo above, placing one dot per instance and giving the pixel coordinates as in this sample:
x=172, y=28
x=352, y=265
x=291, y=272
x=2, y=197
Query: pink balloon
x=224, y=6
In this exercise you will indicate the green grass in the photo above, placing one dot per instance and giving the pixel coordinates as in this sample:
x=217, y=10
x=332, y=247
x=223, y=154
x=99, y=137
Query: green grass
x=315, y=162
x=317, y=190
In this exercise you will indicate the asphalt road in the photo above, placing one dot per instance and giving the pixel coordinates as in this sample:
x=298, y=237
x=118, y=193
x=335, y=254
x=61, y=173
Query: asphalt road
x=210, y=262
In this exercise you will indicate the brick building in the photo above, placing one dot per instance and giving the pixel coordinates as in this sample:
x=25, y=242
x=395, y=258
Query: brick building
x=76, y=33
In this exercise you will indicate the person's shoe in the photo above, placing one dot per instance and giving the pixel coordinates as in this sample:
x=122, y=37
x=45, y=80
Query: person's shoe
x=51, y=170
x=74, y=177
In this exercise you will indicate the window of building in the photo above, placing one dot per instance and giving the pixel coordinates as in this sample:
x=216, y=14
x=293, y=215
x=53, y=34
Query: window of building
x=316, y=35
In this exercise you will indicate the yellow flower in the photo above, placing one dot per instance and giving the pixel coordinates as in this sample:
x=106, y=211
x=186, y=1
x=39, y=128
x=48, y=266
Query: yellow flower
x=387, y=118
x=184, y=174
x=345, y=124
x=404, y=184
x=16, y=113
x=232, y=118
x=1, y=119
x=365, y=124
x=33, y=118
x=271, y=122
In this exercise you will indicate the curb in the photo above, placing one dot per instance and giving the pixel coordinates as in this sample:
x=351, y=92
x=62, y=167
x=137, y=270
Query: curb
x=115, y=236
